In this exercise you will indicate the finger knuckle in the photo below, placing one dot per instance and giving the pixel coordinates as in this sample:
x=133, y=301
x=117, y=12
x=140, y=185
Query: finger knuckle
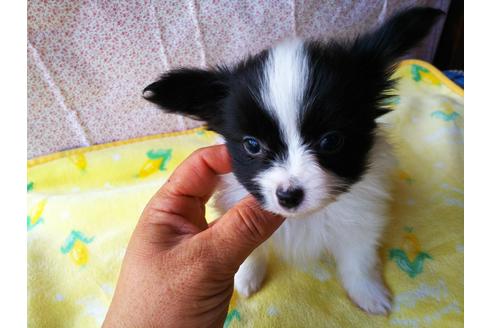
x=248, y=223
x=198, y=152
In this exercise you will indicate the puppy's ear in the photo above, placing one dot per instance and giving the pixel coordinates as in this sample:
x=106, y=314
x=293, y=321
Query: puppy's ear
x=194, y=93
x=377, y=52
x=398, y=35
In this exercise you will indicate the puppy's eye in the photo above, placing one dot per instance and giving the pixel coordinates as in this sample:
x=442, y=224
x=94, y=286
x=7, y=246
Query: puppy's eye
x=251, y=145
x=331, y=142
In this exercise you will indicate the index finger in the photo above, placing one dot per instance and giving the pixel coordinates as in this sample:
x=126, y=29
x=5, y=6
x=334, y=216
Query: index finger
x=197, y=176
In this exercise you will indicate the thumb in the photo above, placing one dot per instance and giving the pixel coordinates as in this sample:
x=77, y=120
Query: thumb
x=243, y=228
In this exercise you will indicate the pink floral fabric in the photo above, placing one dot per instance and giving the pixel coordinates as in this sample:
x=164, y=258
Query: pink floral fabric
x=89, y=60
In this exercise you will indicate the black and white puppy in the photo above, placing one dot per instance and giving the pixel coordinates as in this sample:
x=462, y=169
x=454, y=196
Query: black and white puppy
x=299, y=122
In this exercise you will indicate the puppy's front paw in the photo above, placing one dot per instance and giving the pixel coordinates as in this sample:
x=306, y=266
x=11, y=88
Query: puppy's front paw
x=371, y=296
x=247, y=280
x=247, y=287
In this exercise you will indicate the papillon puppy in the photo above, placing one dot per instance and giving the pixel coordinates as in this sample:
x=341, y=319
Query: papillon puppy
x=299, y=123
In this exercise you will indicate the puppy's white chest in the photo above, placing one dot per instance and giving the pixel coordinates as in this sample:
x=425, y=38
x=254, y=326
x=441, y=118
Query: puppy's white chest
x=300, y=240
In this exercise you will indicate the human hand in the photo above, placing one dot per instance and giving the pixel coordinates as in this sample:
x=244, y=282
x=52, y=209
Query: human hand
x=178, y=271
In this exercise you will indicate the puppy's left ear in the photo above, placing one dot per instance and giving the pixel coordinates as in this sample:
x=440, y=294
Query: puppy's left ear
x=378, y=51
x=195, y=93
x=398, y=35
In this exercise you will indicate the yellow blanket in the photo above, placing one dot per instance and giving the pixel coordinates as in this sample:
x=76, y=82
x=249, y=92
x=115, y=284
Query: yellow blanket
x=84, y=203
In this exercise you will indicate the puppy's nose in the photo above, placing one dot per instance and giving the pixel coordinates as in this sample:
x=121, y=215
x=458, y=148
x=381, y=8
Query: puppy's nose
x=291, y=197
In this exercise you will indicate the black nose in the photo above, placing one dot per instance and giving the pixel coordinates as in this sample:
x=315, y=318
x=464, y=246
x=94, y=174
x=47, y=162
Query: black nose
x=290, y=197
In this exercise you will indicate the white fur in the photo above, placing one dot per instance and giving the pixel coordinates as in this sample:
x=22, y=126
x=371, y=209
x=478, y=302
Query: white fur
x=283, y=85
x=349, y=227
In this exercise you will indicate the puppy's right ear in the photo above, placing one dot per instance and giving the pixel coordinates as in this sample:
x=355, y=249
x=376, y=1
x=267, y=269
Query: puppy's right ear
x=195, y=93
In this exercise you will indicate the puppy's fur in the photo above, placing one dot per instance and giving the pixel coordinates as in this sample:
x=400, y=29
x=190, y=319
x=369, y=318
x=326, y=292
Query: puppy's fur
x=299, y=123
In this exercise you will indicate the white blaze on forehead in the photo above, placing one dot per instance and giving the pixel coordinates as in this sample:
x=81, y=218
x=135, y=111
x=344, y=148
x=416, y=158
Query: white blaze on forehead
x=283, y=85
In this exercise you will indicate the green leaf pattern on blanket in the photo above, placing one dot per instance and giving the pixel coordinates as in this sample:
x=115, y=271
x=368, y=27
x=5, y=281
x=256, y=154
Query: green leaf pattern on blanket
x=446, y=113
x=420, y=73
x=157, y=160
x=234, y=314
x=412, y=268
x=75, y=246
x=35, y=216
x=409, y=256
x=444, y=116
x=32, y=223
x=391, y=101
